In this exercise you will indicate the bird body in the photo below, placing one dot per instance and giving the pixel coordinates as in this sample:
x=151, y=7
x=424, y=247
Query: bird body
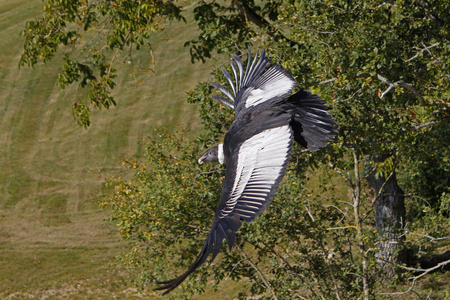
x=257, y=146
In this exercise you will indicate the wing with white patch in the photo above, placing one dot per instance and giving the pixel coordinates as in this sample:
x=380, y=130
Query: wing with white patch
x=251, y=180
x=254, y=173
x=275, y=83
x=260, y=82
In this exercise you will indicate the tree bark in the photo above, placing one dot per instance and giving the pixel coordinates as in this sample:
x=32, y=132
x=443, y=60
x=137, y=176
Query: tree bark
x=389, y=207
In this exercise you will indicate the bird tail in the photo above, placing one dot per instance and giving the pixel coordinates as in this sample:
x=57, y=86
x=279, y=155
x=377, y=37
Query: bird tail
x=222, y=228
x=312, y=124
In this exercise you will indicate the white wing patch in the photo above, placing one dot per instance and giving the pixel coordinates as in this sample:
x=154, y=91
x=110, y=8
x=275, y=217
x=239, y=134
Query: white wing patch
x=275, y=82
x=260, y=162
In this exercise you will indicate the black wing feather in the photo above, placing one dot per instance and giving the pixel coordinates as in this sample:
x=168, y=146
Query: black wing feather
x=312, y=124
x=255, y=79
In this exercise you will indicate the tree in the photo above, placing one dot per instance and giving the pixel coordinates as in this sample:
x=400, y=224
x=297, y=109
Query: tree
x=382, y=66
x=95, y=35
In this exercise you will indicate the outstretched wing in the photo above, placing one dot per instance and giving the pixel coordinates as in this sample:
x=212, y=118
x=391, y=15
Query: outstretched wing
x=253, y=174
x=312, y=124
x=260, y=83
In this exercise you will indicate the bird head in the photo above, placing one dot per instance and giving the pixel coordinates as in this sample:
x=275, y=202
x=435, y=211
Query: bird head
x=213, y=154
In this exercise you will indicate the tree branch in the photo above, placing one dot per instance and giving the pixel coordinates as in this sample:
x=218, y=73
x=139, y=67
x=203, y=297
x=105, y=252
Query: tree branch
x=251, y=16
x=322, y=82
x=261, y=275
x=402, y=84
x=425, y=272
x=426, y=48
x=419, y=126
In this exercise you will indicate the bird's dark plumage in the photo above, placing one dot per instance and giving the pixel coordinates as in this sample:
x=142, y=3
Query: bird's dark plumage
x=257, y=146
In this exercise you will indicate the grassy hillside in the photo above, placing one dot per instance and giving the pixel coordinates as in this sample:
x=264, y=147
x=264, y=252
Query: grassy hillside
x=53, y=239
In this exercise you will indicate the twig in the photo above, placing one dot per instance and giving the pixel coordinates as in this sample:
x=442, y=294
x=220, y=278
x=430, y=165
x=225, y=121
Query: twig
x=417, y=127
x=382, y=4
x=432, y=239
x=401, y=293
x=436, y=58
x=346, y=178
x=301, y=151
x=344, y=213
x=232, y=270
x=323, y=82
x=424, y=272
x=351, y=97
x=402, y=84
x=426, y=48
x=261, y=275
x=429, y=270
x=344, y=227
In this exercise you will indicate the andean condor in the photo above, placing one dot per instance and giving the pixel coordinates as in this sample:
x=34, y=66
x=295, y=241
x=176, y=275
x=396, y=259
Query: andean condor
x=257, y=146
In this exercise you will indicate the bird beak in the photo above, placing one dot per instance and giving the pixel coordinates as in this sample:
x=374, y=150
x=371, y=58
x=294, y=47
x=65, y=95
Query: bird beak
x=200, y=160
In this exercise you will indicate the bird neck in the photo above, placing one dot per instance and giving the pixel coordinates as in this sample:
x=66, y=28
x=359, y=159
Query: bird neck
x=220, y=154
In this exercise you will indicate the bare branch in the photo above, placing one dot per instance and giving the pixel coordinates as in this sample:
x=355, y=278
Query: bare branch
x=343, y=227
x=421, y=50
x=322, y=42
x=402, y=84
x=440, y=110
x=402, y=293
x=301, y=151
x=387, y=91
x=353, y=95
x=436, y=58
x=417, y=127
x=382, y=4
x=432, y=239
x=429, y=270
x=414, y=279
x=322, y=82
x=232, y=270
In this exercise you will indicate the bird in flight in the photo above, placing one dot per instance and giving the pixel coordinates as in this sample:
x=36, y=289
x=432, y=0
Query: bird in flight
x=257, y=146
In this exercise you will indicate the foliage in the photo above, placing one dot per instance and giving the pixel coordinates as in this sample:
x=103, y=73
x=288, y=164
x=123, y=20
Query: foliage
x=377, y=65
x=382, y=66
x=428, y=167
x=146, y=205
x=94, y=35
x=165, y=213
x=223, y=26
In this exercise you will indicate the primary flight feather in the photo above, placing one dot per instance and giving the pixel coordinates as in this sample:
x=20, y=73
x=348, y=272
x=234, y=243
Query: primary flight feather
x=257, y=146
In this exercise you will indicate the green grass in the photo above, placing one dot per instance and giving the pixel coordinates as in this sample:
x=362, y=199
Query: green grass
x=54, y=241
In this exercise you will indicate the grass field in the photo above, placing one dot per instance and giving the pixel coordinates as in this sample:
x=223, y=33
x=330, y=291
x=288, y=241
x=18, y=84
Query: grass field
x=54, y=241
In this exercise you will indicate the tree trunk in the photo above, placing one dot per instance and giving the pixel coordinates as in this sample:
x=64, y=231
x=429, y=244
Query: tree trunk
x=389, y=214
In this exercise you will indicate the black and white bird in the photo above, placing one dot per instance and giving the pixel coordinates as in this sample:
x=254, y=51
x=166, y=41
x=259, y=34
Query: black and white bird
x=257, y=146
